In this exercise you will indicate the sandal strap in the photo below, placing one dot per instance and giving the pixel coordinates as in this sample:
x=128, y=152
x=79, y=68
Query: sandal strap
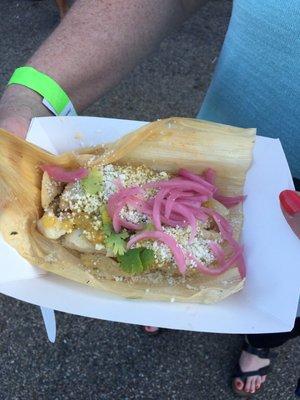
x=244, y=375
x=261, y=353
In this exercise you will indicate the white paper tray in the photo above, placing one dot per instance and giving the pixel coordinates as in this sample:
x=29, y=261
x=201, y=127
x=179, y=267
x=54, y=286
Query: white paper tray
x=269, y=300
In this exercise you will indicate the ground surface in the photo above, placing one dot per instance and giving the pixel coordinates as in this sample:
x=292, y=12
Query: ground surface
x=100, y=360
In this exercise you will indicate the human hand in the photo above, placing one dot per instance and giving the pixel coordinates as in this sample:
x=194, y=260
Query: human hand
x=290, y=205
x=17, y=107
x=15, y=124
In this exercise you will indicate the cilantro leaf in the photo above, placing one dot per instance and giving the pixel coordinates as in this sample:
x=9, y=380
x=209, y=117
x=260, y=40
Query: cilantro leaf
x=106, y=221
x=147, y=258
x=130, y=261
x=104, y=214
x=107, y=229
x=116, y=243
x=113, y=241
x=93, y=183
x=136, y=261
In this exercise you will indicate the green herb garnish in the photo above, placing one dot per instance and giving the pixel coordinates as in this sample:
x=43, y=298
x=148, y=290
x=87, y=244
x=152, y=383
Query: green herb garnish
x=93, y=183
x=105, y=216
x=147, y=258
x=115, y=242
x=136, y=261
x=131, y=262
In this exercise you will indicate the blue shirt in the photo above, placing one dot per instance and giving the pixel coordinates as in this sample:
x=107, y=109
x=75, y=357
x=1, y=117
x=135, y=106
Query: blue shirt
x=257, y=79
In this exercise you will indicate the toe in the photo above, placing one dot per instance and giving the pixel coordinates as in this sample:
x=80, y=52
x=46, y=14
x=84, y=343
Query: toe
x=248, y=384
x=239, y=384
x=253, y=385
x=263, y=378
x=257, y=383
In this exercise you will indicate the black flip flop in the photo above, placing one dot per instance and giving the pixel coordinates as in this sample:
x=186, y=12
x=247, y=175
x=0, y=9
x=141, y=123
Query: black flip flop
x=262, y=353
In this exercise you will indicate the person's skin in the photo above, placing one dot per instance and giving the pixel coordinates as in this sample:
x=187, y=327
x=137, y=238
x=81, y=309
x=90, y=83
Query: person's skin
x=94, y=47
x=249, y=362
x=87, y=55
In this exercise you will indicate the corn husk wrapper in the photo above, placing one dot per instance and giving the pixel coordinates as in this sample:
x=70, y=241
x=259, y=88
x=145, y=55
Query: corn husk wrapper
x=162, y=145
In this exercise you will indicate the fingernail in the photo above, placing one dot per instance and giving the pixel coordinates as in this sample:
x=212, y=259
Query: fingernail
x=290, y=201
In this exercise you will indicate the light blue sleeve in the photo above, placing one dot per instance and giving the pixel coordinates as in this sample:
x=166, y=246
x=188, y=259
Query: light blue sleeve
x=257, y=79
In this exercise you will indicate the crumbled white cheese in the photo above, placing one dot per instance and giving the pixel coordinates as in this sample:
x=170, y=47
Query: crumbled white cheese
x=128, y=176
x=130, y=214
x=118, y=278
x=75, y=198
x=199, y=248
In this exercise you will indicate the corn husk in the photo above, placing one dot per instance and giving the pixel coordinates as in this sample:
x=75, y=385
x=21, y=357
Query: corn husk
x=162, y=145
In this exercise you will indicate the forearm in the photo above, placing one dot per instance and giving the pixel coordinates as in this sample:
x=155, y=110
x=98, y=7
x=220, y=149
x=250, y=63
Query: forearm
x=97, y=43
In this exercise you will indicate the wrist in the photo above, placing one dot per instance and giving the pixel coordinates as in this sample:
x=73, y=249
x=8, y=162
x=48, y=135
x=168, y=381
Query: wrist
x=53, y=95
x=18, y=106
x=20, y=99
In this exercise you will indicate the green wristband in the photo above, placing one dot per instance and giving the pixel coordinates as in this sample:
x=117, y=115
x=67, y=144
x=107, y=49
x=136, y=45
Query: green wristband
x=54, y=97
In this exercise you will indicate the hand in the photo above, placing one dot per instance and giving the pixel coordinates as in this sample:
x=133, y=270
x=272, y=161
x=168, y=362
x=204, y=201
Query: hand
x=14, y=124
x=290, y=205
x=17, y=107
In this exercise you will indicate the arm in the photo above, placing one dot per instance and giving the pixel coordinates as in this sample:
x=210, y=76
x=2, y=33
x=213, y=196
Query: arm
x=97, y=43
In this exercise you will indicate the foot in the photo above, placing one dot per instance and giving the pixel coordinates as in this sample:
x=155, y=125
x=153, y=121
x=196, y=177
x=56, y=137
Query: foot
x=151, y=329
x=250, y=362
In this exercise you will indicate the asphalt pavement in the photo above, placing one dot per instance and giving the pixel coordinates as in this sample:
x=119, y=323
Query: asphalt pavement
x=94, y=359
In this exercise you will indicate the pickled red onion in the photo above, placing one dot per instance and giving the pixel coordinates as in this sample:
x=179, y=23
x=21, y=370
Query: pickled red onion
x=174, y=194
x=117, y=197
x=166, y=239
x=182, y=184
x=188, y=214
x=225, y=265
x=196, y=178
x=218, y=252
x=236, y=256
x=209, y=271
x=229, y=201
x=173, y=222
x=62, y=175
x=209, y=175
x=183, y=198
x=222, y=223
x=156, y=212
x=119, y=222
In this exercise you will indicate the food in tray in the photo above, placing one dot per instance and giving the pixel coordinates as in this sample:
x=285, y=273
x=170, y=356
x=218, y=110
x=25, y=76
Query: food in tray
x=144, y=219
x=154, y=215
